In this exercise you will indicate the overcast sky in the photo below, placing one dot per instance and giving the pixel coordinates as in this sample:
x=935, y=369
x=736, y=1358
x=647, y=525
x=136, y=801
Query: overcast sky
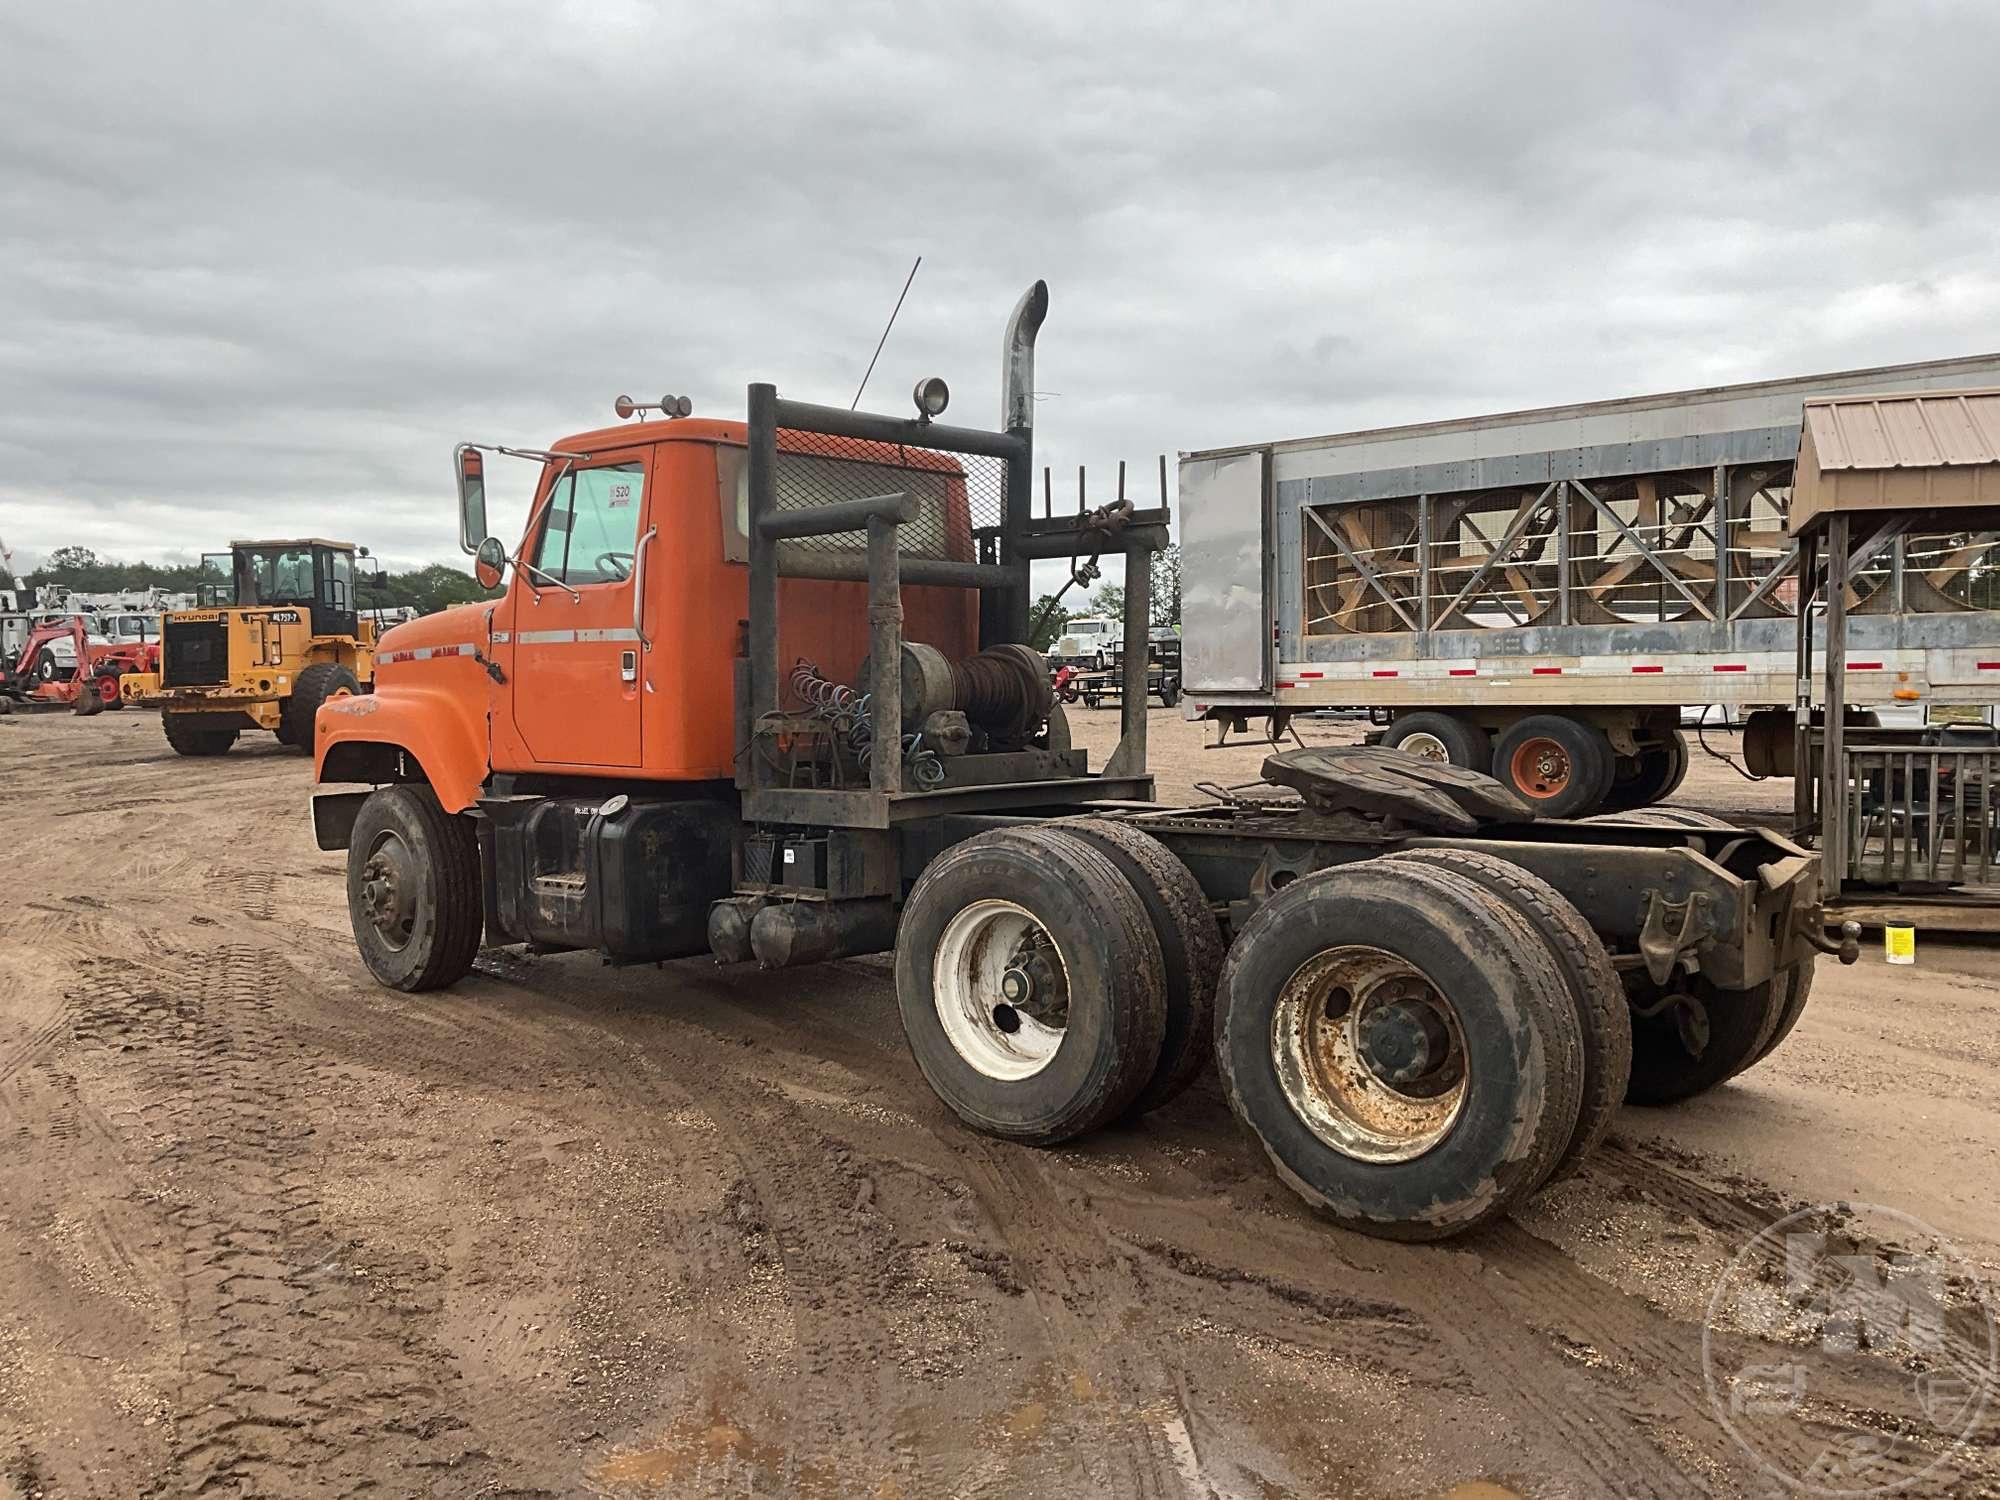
x=261, y=265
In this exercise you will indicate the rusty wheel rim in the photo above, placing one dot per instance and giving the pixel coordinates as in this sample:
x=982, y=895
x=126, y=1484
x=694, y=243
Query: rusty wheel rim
x=1369, y=1054
x=1540, y=768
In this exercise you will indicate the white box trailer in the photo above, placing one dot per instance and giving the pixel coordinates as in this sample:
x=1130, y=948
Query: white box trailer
x=1541, y=592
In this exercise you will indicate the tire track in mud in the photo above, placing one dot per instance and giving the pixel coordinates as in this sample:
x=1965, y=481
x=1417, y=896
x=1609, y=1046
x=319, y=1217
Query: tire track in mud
x=797, y=1199
x=300, y=1373
x=1058, y=1257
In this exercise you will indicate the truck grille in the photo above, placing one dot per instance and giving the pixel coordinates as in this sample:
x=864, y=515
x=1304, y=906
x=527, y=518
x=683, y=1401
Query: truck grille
x=194, y=653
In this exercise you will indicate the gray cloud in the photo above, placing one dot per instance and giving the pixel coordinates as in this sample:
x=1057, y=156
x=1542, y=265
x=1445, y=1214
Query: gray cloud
x=260, y=267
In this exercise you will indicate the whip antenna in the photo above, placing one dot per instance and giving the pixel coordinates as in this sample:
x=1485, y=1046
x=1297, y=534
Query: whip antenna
x=885, y=333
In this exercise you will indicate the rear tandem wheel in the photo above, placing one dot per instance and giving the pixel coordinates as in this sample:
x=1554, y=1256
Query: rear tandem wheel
x=1603, y=1016
x=1031, y=984
x=1403, y=1047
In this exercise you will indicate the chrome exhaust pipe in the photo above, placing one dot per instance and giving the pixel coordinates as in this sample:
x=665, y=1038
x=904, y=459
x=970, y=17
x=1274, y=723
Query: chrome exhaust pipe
x=1017, y=359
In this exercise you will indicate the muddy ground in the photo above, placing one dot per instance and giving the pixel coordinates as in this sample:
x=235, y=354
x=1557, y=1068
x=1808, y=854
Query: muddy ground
x=266, y=1229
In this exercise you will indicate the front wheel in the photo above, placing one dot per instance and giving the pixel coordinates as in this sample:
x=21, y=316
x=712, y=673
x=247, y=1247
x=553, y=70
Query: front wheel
x=413, y=890
x=316, y=684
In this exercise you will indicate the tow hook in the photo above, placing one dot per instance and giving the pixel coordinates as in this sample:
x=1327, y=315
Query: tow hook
x=1846, y=947
x=1671, y=932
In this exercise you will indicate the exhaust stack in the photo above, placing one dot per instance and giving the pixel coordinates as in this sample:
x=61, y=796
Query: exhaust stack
x=1017, y=359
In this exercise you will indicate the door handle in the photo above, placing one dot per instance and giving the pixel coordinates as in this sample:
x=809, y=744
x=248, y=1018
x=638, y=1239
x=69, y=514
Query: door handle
x=628, y=666
x=639, y=589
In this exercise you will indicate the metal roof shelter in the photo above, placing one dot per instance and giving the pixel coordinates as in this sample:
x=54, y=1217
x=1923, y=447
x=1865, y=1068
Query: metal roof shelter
x=1892, y=814
x=1873, y=454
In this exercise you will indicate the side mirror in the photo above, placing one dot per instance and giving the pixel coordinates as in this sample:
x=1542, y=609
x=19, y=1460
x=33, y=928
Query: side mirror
x=489, y=563
x=471, y=498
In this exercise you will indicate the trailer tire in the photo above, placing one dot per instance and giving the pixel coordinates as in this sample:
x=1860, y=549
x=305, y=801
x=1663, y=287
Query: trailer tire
x=1444, y=737
x=1603, y=1017
x=317, y=683
x=190, y=738
x=965, y=999
x=1660, y=771
x=1401, y=1164
x=413, y=889
x=1170, y=695
x=1561, y=766
x=1740, y=1025
x=1190, y=945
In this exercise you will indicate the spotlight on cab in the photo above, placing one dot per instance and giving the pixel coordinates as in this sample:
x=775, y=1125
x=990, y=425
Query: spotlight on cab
x=932, y=396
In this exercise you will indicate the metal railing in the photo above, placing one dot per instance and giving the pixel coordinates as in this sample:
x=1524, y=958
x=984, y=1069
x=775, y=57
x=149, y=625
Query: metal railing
x=1918, y=814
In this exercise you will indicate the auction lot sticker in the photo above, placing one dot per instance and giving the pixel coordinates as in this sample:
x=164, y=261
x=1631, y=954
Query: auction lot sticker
x=1803, y=1307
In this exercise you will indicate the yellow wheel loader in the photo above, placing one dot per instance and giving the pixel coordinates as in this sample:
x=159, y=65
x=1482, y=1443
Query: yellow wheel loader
x=277, y=633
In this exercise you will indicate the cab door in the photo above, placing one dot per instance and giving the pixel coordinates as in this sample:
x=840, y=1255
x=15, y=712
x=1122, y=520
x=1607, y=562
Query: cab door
x=578, y=677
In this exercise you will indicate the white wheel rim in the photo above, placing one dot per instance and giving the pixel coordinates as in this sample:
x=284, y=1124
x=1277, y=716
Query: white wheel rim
x=985, y=954
x=1425, y=744
x=1333, y=1076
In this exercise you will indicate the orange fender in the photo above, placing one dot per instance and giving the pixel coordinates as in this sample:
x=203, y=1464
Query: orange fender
x=362, y=737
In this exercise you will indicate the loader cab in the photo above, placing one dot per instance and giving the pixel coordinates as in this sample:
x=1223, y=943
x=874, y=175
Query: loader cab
x=315, y=575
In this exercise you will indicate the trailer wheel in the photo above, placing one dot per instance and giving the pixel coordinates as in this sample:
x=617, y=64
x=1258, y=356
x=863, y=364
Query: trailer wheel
x=1685, y=1049
x=1190, y=945
x=1441, y=737
x=317, y=683
x=1561, y=765
x=1403, y=1047
x=413, y=889
x=1654, y=777
x=1031, y=984
x=189, y=736
x=1603, y=1017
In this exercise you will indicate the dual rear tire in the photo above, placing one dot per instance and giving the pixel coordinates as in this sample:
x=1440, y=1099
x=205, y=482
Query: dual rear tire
x=1055, y=978
x=1417, y=1042
x=1420, y=1042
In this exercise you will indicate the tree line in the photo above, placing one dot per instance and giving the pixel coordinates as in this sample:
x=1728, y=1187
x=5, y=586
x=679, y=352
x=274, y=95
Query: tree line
x=425, y=589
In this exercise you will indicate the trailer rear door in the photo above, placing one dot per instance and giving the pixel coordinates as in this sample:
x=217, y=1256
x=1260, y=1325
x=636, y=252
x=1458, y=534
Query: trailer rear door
x=1225, y=573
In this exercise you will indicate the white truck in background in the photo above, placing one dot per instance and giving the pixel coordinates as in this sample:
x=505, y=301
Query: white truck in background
x=1088, y=643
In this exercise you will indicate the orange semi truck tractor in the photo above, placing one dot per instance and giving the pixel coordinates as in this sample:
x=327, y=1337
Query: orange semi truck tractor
x=760, y=690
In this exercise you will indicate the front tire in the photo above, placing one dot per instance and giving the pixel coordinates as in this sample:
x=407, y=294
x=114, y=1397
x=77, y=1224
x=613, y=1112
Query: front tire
x=413, y=889
x=189, y=736
x=317, y=683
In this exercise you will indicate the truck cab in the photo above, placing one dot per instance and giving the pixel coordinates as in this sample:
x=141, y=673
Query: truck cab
x=612, y=652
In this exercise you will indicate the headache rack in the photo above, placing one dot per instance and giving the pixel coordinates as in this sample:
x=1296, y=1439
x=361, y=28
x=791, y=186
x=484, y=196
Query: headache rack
x=959, y=516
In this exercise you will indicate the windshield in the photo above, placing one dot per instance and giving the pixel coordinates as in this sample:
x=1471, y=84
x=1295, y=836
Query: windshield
x=277, y=575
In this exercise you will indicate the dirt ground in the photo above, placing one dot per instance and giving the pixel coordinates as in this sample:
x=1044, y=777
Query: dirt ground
x=266, y=1229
